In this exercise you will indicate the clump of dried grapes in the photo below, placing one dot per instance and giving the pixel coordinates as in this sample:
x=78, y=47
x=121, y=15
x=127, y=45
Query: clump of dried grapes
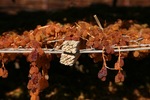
x=3, y=70
x=119, y=77
x=102, y=73
x=118, y=66
x=37, y=81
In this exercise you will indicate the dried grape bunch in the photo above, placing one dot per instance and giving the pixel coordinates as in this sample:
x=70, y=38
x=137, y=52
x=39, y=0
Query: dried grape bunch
x=3, y=70
x=37, y=81
x=117, y=66
x=119, y=77
x=102, y=73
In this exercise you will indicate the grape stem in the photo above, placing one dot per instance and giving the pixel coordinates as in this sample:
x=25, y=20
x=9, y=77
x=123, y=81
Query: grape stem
x=98, y=22
x=104, y=60
x=119, y=58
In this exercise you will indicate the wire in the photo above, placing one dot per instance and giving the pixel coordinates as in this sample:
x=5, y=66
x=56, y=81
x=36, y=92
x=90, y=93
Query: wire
x=115, y=50
x=59, y=51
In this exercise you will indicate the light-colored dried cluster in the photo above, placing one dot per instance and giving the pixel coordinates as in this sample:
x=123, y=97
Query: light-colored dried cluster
x=70, y=52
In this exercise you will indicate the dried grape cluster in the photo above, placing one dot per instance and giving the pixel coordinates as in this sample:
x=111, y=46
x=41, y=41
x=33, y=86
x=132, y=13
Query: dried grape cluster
x=38, y=79
x=81, y=35
x=117, y=66
x=3, y=70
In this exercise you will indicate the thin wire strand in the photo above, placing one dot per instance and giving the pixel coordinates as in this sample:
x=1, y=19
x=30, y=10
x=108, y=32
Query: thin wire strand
x=59, y=51
x=132, y=46
x=116, y=50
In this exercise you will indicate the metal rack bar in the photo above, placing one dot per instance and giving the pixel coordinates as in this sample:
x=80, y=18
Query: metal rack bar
x=115, y=50
x=54, y=51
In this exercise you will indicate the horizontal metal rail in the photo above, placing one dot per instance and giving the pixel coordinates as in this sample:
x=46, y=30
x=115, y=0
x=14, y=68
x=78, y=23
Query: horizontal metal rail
x=59, y=51
x=115, y=50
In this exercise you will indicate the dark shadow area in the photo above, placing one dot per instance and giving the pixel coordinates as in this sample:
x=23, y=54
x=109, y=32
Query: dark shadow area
x=29, y=20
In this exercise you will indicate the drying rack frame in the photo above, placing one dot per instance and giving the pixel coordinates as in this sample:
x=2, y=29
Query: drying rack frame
x=90, y=50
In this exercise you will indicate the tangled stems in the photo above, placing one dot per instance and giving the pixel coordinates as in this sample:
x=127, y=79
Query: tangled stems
x=117, y=66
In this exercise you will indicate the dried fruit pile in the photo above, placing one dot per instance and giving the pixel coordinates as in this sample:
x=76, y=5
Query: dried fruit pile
x=54, y=35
